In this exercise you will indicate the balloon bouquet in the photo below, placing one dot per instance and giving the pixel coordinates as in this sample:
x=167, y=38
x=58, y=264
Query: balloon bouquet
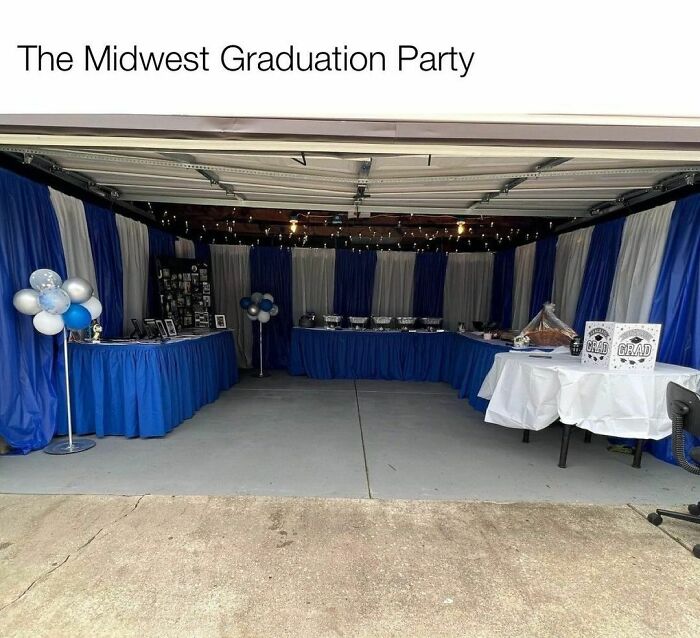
x=260, y=308
x=57, y=306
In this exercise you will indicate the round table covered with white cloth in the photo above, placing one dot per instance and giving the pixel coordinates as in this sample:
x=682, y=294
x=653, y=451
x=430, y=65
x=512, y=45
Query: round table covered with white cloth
x=531, y=393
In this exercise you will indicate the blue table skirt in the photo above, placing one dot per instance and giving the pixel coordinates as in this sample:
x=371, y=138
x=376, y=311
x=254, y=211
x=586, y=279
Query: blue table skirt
x=147, y=390
x=350, y=354
x=459, y=360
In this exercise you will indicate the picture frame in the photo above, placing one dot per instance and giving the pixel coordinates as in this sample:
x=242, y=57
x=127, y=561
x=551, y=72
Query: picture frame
x=220, y=322
x=137, y=332
x=161, y=328
x=170, y=326
x=150, y=328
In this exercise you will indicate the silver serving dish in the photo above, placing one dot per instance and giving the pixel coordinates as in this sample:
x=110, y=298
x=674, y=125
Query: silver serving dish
x=431, y=324
x=358, y=323
x=332, y=321
x=382, y=323
x=406, y=323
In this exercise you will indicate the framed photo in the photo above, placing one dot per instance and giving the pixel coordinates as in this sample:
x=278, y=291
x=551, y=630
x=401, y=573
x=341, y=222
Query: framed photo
x=161, y=328
x=150, y=327
x=219, y=321
x=170, y=325
x=137, y=332
x=205, y=288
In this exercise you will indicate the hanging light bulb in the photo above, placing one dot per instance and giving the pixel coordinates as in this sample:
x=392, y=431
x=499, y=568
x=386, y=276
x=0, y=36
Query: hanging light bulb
x=293, y=220
x=460, y=228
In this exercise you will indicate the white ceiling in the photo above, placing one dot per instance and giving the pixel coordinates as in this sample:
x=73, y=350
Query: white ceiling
x=397, y=183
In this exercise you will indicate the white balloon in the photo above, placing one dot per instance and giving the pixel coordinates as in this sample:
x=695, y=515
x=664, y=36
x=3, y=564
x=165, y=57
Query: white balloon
x=54, y=300
x=79, y=290
x=26, y=301
x=251, y=317
x=264, y=316
x=267, y=295
x=48, y=324
x=94, y=307
x=274, y=310
x=256, y=297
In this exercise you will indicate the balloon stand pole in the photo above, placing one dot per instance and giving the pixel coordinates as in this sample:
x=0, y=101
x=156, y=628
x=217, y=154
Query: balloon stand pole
x=260, y=374
x=72, y=445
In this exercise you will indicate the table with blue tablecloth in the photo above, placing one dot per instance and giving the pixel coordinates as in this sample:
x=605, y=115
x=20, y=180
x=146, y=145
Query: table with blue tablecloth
x=462, y=360
x=138, y=389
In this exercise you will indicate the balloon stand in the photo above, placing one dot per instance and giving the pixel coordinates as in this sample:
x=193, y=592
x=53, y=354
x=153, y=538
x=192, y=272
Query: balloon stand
x=261, y=373
x=71, y=446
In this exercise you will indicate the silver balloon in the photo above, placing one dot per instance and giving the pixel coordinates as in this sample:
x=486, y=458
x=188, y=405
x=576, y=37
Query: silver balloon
x=79, y=290
x=256, y=297
x=267, y=295
x=55, y=301
x=26, y=301
x=44, y=278
x=253, y=310
x=264, y=316
x=274, y=310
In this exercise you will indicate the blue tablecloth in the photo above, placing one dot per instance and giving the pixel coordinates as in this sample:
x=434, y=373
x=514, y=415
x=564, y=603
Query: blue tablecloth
x=144, y=389
x=462, y=361
x=360, y=354
x=472, y=361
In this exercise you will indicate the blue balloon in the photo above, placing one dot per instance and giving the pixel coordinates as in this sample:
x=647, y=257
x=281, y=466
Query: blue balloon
x=245, y=302
x=265, y=305
x=77, y=317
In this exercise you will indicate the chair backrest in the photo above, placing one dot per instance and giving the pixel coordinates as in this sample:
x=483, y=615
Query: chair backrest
x=677, y=395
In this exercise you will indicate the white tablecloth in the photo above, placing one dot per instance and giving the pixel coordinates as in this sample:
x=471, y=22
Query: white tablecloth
x=531, y=393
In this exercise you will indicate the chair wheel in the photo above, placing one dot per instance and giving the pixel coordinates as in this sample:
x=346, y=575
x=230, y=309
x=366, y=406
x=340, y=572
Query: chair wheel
x=696, y=551
x=654, y=518
x=694, y=509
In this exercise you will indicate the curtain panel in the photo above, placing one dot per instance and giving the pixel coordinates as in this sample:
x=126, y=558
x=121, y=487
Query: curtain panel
x=271, y=271
x=354, y=282
x=522, y=284
x=502, y=288
x=638, y=265
x=429, y=284
x=543, y=273
x=313, y=281
x=133, y=240
x=393, y=284
x=230, y=267
x=569, y=266
x=32, y=401
x=467, y=288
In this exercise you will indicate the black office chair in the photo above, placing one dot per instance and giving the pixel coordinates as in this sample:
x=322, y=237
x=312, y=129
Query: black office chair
x=683, y=408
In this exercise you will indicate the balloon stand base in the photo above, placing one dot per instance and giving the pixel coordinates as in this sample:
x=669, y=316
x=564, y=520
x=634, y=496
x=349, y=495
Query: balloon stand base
x=260, y=374
x=63, y=447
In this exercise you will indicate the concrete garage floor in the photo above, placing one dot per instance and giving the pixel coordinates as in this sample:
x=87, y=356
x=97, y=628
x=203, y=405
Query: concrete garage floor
x=157, y=538
x=293, y=436
x=258, y=566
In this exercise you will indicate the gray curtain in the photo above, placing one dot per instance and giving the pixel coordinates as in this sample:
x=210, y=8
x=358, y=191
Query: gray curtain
x=467, y=288
x=569, y=266
x=133, y=240
x=313, y=281
x=393, y=284
x=638, y=264
x=522, y=284
x=70, y=213
x=230, y=267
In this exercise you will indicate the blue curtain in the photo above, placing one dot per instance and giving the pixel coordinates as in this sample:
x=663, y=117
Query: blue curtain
x=354, y=282
x=676, y=303
x=160, y=244
x=106, y=253
x=271, y=271
x=202, y=252
x=429, y=283
x=32, y=401
x=599, y=273
x=502, y=288
x=543, y=274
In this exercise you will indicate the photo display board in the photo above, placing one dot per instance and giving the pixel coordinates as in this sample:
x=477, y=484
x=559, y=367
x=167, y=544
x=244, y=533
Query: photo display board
x=184, y=288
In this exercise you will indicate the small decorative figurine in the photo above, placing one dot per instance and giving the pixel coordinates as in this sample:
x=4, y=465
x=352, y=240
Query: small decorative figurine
x=96, y=332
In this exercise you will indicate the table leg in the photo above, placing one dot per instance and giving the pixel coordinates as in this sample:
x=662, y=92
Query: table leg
x=587, y=437
x=565, y=436
x=637, y=462
x=526, y=436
